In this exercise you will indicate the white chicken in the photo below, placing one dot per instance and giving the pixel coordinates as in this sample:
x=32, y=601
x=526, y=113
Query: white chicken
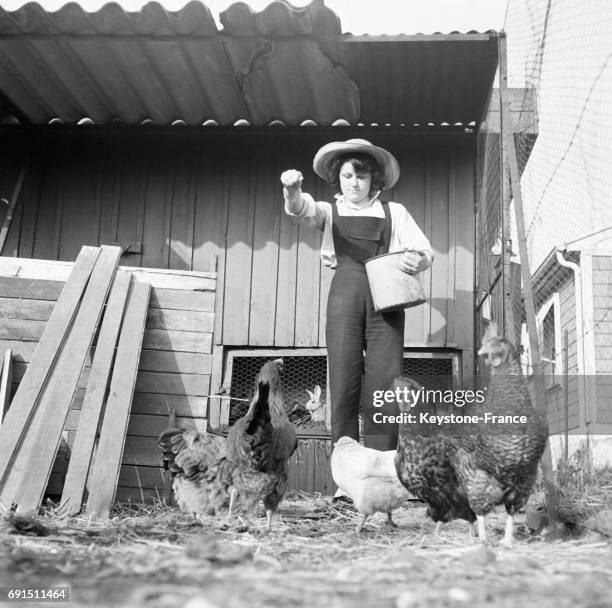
x=369, y=478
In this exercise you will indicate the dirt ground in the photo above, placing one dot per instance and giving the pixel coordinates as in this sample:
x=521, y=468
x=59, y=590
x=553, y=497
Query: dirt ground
x=158, y=557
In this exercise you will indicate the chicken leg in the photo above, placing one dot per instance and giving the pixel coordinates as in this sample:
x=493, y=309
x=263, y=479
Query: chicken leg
x=269, y=518
x=390, y=523
x=508, y=539
x=233, y=494
x=471, y=533
x=482, y=530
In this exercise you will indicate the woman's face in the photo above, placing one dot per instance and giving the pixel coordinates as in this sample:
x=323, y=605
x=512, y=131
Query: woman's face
x=355, y=186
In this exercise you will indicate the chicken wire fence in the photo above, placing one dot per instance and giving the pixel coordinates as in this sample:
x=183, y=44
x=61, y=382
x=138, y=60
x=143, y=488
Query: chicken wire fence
x=559, y=68
x=300, y=373
x=303, y=373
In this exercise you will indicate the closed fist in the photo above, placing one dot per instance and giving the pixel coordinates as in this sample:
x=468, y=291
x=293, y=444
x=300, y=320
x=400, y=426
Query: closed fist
x=292, y=181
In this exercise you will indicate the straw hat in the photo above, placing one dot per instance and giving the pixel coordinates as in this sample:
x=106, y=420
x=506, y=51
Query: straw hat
x=325, y=157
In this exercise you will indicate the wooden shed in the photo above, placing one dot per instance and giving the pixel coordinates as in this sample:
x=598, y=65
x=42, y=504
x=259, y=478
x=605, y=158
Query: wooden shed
x=160, y=132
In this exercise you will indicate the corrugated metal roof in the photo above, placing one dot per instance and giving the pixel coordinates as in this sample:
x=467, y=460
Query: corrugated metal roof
x=281, y=64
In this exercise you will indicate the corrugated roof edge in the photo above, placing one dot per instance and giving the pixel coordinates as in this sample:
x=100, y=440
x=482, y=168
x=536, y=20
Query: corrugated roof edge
x=278, y=18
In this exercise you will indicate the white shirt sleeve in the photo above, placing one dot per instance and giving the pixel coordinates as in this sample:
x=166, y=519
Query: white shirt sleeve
x=406, y=233
x=308, y=212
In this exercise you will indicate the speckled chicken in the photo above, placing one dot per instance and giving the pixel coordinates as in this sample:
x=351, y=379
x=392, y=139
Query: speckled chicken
x=424, y=463
x=199, y=469
x=260, y=444
x=498, y=464
x=368, y=477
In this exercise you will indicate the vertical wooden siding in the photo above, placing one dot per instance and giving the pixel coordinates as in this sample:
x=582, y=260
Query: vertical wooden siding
x=213, y=200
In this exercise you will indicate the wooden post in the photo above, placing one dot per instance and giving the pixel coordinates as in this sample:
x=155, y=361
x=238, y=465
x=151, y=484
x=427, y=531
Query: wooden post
x=540, y=397
x=506, y=128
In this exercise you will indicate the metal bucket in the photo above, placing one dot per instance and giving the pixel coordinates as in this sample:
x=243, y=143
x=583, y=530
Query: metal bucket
x=392, y=288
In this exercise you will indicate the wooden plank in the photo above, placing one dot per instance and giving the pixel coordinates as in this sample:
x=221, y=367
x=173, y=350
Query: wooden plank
x=36, y=289
x=80, y=459
x=19, y=416
x=188, y=406
x=150, y=479
x=80, y=219
x=237, y=275
x=287, y=282
x=112, y=434
x=141, y=425
x=182, y=226
x=413, y=190
x=176, y=362
x=464, y=259
x=30, y=472
x=157, y=277
x=30, y=200
x=308, y=278
x=6, y=381
x=182, y=299
x=438, y=173
x=150, y=360
x=266, y=231
x=21, y=331
x=182, y=320
x=131, y=207
x=186, y=341
x=173, y=384
x=144, y=425
x=160, y=183
x=142, y=451
x=26, y=309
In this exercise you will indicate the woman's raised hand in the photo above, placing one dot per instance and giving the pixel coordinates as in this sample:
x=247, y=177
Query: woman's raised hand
x=292, y=182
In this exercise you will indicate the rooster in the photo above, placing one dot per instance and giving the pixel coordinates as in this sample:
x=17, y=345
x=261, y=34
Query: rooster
x=424, y=465
x=498, y=465
x=260, y=444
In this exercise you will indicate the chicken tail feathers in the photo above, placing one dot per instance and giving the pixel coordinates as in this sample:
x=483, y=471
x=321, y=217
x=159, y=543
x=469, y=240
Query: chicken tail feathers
x=171, y=441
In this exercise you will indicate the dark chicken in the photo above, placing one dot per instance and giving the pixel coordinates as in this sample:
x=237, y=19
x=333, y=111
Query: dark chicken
x=424, y=465
x=260, y=444
x=498, y=464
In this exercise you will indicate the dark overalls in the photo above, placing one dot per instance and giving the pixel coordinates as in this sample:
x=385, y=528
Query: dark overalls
x=354, y=327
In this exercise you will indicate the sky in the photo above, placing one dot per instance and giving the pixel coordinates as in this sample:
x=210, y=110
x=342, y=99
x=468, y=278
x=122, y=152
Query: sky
x=356, y=16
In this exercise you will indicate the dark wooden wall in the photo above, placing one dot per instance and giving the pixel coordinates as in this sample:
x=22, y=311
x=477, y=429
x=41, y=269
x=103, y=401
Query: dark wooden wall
x=186, y=199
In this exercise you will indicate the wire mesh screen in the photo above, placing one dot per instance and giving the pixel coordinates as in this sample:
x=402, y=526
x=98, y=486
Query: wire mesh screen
x=559, y=58
x=300, y=374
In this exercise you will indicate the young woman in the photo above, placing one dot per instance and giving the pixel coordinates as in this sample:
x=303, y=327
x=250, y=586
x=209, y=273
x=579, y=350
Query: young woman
x=358, y=226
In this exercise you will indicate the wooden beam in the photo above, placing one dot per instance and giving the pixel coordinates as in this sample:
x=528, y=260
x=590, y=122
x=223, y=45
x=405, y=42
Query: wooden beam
x=19, y=416
x=116, y=416
x=30, y=473
x=95, y=393
x=6, y=380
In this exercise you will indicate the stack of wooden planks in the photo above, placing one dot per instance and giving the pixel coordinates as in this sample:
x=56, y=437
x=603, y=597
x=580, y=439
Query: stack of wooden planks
x=174, y=371
x=95, y=299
